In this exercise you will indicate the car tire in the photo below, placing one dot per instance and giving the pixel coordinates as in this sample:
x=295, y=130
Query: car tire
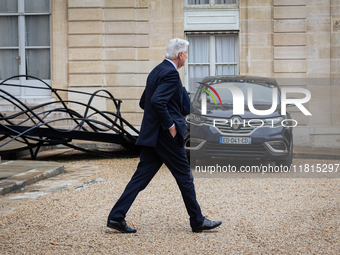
x=288, y=162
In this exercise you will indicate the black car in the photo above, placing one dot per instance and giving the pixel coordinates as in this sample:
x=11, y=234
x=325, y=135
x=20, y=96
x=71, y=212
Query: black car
x=217, y=127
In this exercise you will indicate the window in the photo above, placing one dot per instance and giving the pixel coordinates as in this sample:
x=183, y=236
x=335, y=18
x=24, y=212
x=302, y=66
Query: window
x=211, y=55
x=25, y=42
x=210, y=2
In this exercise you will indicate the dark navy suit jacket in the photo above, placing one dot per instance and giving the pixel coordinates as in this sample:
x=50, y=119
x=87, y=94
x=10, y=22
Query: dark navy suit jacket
x=162, y=104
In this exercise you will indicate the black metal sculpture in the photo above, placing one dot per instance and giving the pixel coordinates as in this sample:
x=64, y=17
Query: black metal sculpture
x=35, y=126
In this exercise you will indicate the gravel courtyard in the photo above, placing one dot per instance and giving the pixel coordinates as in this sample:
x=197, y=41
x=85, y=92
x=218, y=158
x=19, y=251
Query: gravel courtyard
x=259, y=215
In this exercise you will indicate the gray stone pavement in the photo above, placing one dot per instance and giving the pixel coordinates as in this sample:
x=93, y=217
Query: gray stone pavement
x=71, y=176
x=24, y=180
x=16, y=174
x=316, y=153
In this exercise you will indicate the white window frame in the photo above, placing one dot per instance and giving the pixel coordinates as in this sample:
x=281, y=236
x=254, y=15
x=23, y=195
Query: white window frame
x=25, y=92
x=211, y=5
x=212, y=55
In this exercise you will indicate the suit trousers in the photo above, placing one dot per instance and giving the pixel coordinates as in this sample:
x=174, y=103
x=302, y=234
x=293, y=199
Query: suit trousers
x=170, y=151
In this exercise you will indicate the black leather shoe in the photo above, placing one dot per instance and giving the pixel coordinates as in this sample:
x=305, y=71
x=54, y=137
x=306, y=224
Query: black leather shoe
x=206, y=225
x=120, y=226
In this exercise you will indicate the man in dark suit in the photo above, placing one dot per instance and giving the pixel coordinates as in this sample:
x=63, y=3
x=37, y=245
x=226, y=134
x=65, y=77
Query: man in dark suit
x=162, y=140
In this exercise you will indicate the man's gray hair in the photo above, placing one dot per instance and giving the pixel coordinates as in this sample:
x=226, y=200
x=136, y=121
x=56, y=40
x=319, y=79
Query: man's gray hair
x=175, y=46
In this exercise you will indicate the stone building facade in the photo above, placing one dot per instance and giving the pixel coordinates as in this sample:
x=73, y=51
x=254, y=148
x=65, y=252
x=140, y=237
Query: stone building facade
x=297, y=42
x=114, y=44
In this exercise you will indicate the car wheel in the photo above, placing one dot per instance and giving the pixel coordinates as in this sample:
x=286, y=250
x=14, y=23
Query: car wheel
x=289, y=161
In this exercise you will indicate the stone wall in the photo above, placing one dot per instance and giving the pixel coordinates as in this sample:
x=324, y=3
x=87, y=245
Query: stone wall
x=114, y=44
x=256, y=40
x=59, y=45
x=335, y=60
x=297, y=42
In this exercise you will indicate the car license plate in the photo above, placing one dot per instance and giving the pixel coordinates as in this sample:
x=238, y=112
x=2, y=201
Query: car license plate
x=235, y=140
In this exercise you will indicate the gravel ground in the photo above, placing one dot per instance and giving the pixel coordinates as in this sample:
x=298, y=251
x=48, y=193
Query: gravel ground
x=260, y=216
